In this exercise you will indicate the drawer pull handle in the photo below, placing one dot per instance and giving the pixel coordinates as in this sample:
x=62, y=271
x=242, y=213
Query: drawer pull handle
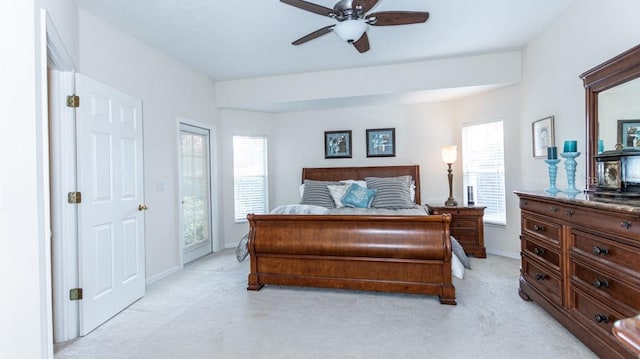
x=601, y=318
x=569, y=212
x=538, y=251
x=540, y=276
x=625, y=225
x=600, y=251
x=600, y=283
x=538, y=228
x=553, y=209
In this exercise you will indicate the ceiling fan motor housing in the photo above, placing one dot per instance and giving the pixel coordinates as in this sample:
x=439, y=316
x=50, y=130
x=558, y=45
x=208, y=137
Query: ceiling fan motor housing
x=347, y=11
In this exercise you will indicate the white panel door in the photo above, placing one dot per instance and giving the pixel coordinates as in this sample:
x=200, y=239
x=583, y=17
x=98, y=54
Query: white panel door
x=111, y=215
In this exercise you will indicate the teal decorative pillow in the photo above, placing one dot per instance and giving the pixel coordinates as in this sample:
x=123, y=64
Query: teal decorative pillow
x=358, y=197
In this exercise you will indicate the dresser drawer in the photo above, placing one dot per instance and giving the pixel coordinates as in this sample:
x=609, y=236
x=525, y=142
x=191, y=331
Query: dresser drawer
x=595, y=315
x=609, y=287
x=542, y=278
x=542, y=229
x=541, y=251
x=615, y=256
x=610, y=223
x=543, y=208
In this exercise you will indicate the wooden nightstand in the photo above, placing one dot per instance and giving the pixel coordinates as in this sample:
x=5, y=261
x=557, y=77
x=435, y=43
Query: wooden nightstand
x=466, y=226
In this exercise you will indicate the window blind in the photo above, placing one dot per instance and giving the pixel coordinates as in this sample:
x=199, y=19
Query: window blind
x=249, y=176
x=483, y=168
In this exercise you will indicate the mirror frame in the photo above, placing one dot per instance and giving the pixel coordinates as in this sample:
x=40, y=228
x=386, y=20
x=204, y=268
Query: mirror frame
x=618, y=70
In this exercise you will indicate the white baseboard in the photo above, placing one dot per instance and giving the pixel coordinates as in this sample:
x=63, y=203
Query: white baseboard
x=504, y=253
x=168, y=272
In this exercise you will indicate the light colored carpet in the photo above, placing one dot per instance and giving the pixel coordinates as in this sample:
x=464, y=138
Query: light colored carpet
x=205, y=311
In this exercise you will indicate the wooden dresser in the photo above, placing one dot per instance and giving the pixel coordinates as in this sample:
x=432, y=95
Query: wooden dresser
x=581, y=263
x=466, y=226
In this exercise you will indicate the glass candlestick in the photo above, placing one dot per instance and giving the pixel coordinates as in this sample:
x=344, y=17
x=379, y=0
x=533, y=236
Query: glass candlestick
x=570, y=165
x=553, y=172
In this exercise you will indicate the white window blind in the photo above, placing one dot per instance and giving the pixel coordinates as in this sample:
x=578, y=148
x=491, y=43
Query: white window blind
x=483, y=168
x=249, y=175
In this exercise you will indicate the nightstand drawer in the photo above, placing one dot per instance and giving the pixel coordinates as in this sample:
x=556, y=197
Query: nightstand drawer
x=464, y=222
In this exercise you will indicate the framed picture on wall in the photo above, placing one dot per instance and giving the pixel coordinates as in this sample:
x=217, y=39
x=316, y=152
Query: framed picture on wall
x=337, y=144
x=542, y=136
x=629, y=133
x=381, y=142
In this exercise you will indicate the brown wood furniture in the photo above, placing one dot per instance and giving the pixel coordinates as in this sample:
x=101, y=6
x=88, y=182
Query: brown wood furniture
x=617, y=71
x=407, y=254
x=581, y=263
x=466, y=226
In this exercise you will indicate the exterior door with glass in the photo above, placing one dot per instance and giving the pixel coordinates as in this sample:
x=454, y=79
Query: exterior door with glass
x=196, y=191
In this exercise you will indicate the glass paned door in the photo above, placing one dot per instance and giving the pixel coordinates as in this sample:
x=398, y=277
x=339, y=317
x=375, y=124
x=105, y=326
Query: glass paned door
x=196, y=187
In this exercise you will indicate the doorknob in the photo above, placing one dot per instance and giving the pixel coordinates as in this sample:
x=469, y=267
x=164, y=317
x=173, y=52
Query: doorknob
x=142, y=207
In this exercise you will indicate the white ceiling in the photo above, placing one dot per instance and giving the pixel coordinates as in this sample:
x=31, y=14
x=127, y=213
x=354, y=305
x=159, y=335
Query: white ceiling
x=252, y=38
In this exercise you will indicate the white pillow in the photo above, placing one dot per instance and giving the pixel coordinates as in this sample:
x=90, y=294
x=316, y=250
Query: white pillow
x=337, y=192
x=456, y=267
x=301, y=190
x=362, y=184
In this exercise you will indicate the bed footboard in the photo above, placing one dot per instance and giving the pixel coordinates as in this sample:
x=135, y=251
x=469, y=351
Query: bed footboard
x=406, y=254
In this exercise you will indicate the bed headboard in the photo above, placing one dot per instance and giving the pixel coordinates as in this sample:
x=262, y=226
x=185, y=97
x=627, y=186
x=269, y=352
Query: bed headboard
x=359, y=173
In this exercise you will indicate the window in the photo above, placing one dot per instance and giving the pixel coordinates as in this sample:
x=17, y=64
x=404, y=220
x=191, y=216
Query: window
x=249, y=175
x=483, y=168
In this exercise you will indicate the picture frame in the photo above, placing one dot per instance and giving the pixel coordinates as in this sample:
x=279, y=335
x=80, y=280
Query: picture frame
x=381, y=142
x=337, y=144
x=543, y=136
x=629, y=133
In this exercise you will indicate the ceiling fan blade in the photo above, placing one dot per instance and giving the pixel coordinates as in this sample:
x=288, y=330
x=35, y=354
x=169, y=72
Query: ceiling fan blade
x=366, y=4
x=314, y=35
x=314, y=8
x=387, y=18
x=362, y=45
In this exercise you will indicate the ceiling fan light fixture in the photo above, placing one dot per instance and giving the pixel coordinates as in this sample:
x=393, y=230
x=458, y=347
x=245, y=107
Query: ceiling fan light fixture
x=350, y=30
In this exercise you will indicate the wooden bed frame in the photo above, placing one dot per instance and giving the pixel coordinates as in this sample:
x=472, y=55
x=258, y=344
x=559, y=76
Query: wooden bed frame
x=406, y=254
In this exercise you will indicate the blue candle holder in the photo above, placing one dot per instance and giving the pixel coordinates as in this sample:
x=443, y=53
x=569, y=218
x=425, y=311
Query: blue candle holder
x=553, y=172
x=570, y=165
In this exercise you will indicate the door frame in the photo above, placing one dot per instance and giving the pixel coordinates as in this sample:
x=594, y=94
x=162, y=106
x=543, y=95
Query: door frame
x=63, y=273
x=214, y=184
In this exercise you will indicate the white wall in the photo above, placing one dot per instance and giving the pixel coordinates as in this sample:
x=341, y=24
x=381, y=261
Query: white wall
x=168, y=90
x=589, y=33
x=502, y=104
x=299, y=142
x=241, y=123
x=25, y=308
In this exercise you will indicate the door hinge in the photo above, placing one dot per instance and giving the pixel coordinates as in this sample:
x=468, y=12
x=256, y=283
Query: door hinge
x=75, y=294
x=74, y=197
x=73, y=101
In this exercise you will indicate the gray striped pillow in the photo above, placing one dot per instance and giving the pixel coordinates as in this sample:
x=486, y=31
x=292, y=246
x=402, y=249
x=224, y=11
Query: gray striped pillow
x=316, y=193
x=393, y=192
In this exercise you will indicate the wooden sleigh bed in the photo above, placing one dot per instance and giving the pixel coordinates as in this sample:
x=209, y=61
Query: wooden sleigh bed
x=390, y=253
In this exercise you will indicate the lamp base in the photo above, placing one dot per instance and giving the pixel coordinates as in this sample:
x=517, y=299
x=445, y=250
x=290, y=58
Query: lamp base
x=451, y=202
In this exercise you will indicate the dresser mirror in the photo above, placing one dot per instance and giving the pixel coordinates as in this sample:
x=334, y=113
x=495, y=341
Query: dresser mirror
x=613, y=108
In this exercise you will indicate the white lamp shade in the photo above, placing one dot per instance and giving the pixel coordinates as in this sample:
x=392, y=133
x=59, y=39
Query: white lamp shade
x=350, y=30
x=449, y=154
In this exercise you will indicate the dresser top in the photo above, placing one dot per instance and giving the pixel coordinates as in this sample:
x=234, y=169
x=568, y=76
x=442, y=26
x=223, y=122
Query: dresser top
x=588, y=200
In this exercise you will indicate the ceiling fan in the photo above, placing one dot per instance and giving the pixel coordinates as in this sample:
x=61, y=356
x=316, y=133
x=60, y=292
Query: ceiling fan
x=353, y=20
